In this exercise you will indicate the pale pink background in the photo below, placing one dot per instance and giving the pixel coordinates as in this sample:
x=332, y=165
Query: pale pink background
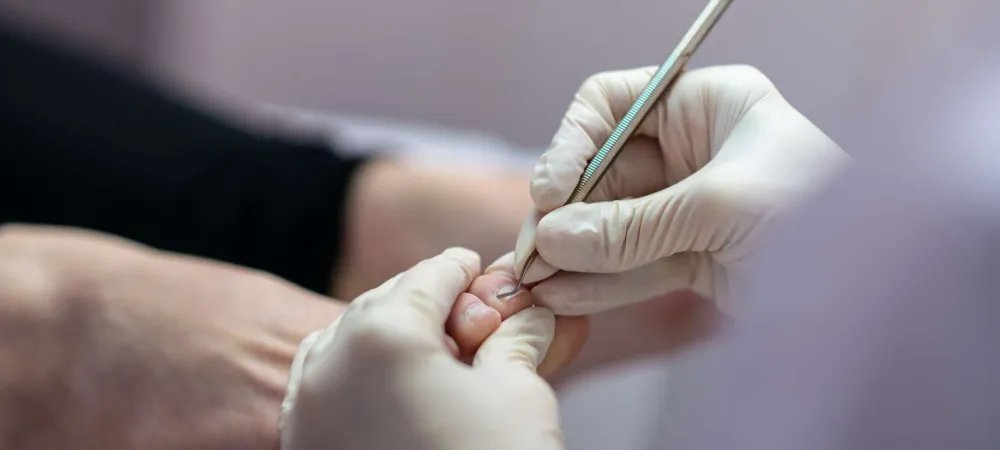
x=506, y=67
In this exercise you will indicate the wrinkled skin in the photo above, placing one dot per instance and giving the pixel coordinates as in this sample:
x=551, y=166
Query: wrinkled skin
x=108, y=344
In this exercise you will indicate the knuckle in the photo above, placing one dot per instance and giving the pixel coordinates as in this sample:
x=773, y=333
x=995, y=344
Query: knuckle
x=729, y=78
x=468, y=274
x=439, y=264
x=594, y=80
x=419, y=295
x=423, y=305
x=601, y=79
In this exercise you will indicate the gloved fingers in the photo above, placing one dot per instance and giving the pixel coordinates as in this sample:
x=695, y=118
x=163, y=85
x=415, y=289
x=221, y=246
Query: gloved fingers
x=430, y=289
x=638, y=171
x=574, y=293
x=570, y=333
x=503, y=266
x=525, y=246
x=570, y=336
x=470, y=323
x=478, y=313
x=623, y=234
x=521, y=341
x=599, y=104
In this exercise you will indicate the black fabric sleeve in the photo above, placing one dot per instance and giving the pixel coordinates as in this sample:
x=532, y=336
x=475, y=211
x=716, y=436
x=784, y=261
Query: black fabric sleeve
x=82, y=145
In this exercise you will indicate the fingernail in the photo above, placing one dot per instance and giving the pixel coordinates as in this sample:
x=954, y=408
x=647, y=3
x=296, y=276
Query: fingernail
x=504, y=289
x=476, y=311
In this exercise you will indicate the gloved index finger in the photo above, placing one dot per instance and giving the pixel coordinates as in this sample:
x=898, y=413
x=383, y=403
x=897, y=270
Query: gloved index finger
x=521, y=341
x=539, y=269
x=595, y=111
x=431, y=288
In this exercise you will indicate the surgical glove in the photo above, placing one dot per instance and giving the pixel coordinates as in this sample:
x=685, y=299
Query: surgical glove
x=687, y=199
x=382, y=378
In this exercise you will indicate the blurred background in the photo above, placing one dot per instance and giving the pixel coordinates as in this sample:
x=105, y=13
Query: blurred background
x=486, y=80
x=505, y=68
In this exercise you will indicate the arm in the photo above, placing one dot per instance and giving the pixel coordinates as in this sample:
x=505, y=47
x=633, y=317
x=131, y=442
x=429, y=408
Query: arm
x=86, y=147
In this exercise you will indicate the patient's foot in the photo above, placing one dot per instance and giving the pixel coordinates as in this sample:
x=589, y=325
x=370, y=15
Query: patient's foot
x=469, y=324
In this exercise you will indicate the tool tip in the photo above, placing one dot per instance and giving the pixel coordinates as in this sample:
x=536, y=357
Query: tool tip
x=511, y=292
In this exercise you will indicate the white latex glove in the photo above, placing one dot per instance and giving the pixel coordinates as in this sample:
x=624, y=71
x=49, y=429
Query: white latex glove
x=382, y=378
x=686, y=200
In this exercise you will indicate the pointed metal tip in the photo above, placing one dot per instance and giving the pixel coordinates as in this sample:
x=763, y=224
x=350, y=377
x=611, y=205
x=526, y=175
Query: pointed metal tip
x=510, y=293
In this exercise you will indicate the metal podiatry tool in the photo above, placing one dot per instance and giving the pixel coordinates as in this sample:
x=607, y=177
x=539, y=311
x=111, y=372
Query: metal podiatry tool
x=657, y=87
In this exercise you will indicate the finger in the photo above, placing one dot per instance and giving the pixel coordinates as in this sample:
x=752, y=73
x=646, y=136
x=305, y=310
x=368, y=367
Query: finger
x=574, y=294
x=487, y=288
x=504, y=266
x=569, y=338
x=521, y=341
x=430, y=289
x=625, y=234
x=595, y=111
x=525, y=246
x=470, y=323
x=638, y=171
x=452, y=346
x=570, y=331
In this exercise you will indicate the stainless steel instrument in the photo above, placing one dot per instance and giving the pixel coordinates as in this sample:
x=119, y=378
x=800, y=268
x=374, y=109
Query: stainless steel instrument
x=657, y=88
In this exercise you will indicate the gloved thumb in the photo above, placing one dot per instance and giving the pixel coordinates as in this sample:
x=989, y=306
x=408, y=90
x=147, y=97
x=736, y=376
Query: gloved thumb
x=616, y=236
x=521, y=341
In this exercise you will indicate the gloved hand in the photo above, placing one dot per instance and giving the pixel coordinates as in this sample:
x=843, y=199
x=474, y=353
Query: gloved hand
x=382, y=378
x=686, y=201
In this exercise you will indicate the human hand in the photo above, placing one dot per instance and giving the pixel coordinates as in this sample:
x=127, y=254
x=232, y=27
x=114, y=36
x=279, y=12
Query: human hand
x=381, y=378
x=661, y=326
x=106, y=344
x=478, y=312
x=687, y=199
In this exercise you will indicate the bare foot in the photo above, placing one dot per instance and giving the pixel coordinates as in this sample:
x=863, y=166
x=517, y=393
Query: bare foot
x=469, y=334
